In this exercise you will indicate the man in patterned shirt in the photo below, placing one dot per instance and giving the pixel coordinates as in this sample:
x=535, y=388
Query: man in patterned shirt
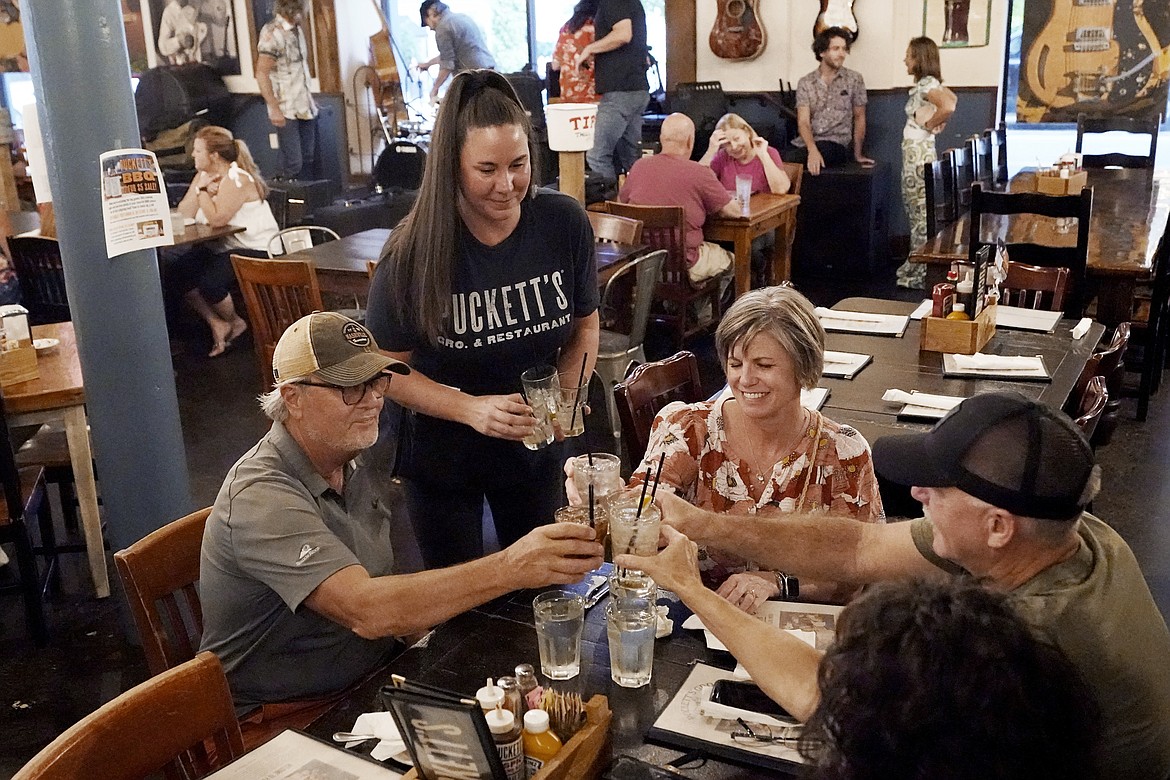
x=830, y=108
x=282, y=72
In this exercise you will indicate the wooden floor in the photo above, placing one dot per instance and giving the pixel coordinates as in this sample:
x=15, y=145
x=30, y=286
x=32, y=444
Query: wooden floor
x=91, y=659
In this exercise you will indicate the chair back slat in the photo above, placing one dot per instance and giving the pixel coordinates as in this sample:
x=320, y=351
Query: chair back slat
x=979, y=153
x=941, y=208
x=964, y=177
x=1092, y=406
x=159, y=573
x=999, y=140
x=1035, y=287
x=1077, y=207
x=1149, y=126
x=611, y=227
x=795, y=173
x=276, y=294
x=650, y=387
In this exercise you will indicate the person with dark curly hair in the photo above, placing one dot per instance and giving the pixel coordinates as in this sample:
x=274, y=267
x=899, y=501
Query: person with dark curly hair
x=1004, y=483
x=933, y=679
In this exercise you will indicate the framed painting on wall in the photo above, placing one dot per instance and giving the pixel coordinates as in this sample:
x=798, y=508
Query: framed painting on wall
x=183, y=31
x=956, y=23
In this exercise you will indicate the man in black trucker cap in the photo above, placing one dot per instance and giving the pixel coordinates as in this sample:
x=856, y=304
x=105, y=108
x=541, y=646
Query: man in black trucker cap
x=1004, y=482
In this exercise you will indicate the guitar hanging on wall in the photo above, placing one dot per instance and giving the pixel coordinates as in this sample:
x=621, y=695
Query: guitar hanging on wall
x=738, y=33
x=836, y=13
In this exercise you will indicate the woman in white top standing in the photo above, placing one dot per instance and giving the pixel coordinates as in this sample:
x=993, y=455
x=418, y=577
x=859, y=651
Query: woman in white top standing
x=927, y=111
x=227, y=189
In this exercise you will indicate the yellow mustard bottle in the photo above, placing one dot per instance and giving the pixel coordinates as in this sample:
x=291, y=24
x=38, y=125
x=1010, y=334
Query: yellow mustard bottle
x=959, y=312
x=540, y=744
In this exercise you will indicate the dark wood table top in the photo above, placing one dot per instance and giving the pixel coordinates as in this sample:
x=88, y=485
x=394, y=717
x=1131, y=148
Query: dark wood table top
x=490, y=641
x=763, y=207
x=199, y=233
x=898, y=363
x=1130, y=209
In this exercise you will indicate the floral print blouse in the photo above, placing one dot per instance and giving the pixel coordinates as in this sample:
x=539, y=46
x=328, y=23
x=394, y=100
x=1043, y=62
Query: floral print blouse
x=577, y=86
x=830, y=470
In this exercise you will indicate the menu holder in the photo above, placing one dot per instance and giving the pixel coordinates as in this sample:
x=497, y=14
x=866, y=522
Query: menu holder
x=965, y=337
x=445, y=733
x=1039, y=373
x=844, y=365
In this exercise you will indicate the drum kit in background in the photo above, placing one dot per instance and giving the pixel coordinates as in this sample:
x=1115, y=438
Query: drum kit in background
x=401, y=163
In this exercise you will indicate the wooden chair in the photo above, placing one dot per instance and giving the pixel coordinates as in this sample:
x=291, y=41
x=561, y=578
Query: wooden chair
x=163, y=725
x=1034, y=287
x=1013, y=204
x=1150, y=325
x=649, y=388
x=1107, y=124
x=611, y=227
x=795, y=173
x=159, y=573
x=964, y=177
x=37, y=262
x=24, y=498
x=277, y=293
x=296, y=239
x=664, y=227
x=998, y=140
x=1092, y=406
x=979, y=152
x=618, y=350
x=1108, y=364
x=941, y=207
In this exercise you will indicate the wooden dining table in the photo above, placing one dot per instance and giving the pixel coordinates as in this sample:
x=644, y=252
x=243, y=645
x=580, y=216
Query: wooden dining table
x=342, y=266
x=58, y=395
x=1130, y=209
x=765, y=212
x=200, y=233
x=898, y=363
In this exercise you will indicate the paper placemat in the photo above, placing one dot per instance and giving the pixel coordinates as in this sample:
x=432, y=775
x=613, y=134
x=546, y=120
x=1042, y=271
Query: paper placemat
x=1039, y=373
x=844, y=365
x=863, y=322
x=1026, y=319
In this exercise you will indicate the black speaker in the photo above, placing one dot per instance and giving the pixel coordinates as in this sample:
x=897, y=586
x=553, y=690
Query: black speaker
x=840, y=223
x=170, y=95
x=401, y=165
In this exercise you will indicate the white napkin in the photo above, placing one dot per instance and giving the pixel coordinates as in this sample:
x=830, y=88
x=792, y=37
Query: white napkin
x=847, y=316
x=839, y=358
x=923, y=309
x=922, y=399
x=381, y=725
x=1082, y=328
x=998, y=362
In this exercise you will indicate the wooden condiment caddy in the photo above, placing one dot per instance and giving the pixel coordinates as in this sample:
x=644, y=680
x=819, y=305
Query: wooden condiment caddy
x=1051, y=182
x=961, y=337
x=18, y=358
x=585, y=756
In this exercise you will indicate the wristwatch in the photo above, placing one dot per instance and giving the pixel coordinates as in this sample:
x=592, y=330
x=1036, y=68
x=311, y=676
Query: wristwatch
x=789, y=586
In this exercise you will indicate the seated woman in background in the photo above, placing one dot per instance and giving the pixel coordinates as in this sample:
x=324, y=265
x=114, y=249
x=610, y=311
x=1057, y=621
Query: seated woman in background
x=227, y=189
x=756, y=450
x=736, y=150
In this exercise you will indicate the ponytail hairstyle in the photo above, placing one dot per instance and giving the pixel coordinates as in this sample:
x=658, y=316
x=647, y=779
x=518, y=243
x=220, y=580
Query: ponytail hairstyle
x=219, y=141
x=424, y=247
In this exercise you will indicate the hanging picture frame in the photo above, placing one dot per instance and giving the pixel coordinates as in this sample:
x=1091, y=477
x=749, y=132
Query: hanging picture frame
x=178, y=32
x=957, y=23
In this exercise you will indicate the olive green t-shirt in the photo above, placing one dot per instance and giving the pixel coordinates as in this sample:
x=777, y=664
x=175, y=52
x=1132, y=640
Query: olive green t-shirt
x=1097, y=608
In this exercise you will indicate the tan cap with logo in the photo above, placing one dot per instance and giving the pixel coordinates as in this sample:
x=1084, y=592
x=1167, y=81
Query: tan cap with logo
x=332, y=348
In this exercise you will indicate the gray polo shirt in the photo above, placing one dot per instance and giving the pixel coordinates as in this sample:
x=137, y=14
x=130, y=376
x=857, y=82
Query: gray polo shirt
x=460, y=43
x=276, y=532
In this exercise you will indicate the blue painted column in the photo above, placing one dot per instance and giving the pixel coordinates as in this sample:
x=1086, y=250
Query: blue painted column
x=82, y=77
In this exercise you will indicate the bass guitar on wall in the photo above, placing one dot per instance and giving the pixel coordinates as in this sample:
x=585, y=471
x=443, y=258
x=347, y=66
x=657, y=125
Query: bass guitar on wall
x=738, y=33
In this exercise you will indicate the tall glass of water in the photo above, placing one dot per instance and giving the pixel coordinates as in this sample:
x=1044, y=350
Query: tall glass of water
x=630, y=625
x=542, y=388
x=560, y=618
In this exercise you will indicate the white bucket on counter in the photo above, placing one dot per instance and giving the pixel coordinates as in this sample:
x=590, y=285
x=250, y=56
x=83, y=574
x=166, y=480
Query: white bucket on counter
x=570, y=126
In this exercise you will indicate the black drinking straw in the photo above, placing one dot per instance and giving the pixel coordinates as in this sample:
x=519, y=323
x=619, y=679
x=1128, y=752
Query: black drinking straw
x=580, y=379
x=657, y=476
x=642, y=498
x=591, y=523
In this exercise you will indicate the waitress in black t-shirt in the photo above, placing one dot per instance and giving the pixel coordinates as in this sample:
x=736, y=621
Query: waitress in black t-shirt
x=486, y=277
